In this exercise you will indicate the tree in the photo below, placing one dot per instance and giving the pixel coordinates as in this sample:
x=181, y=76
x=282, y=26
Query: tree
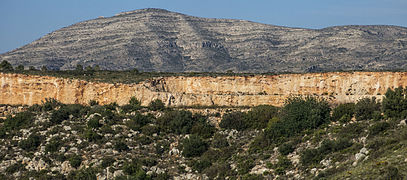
x=193, y=146
x=365, y=108
x=20, y=68
x=395, y=103
x=6, y=66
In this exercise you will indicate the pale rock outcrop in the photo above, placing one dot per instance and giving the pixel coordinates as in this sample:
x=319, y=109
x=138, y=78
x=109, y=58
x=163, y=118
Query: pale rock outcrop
x=336, y=87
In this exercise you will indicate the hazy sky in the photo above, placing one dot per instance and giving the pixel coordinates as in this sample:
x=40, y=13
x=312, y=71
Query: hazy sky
x=23, y=21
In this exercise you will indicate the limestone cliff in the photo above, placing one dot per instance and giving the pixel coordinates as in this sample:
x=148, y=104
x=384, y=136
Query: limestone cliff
x=188, y=91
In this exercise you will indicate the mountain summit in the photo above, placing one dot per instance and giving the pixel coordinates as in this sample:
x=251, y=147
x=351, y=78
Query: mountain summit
x=160, y=40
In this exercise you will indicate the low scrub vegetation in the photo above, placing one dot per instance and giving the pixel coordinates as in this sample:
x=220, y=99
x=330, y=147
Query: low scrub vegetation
x=301, y=140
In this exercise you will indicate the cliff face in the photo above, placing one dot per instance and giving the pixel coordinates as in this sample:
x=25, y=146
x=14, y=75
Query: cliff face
x=187, y=91
x=160, y=40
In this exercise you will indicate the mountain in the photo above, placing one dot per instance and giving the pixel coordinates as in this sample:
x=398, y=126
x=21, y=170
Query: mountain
x=160, y=40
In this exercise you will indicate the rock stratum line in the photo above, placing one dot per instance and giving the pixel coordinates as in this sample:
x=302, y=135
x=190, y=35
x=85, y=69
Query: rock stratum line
x=337, y=87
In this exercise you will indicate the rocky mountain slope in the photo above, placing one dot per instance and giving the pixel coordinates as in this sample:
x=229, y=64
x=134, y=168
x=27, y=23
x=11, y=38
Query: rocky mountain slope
x=159, y=40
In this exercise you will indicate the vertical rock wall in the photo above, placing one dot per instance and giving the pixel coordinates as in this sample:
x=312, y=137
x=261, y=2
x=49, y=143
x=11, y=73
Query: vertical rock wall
x=337, y=87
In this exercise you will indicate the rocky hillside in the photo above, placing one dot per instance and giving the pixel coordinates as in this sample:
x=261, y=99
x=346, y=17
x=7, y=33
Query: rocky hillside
x=159, y=40
x=302, y=140
x=336, y=87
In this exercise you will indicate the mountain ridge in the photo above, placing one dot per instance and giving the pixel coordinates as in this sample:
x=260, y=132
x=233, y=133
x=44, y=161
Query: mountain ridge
x=161, y=40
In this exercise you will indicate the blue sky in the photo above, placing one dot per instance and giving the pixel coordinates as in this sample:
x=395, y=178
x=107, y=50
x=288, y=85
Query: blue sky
x=23, y=21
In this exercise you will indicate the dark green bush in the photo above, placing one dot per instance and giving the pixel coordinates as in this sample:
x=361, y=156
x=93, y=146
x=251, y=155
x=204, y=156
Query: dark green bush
x=156, y=105
x=87, y=173
x=107, y=161
x=94, y=123
x=137, y=121
x=378, y=127
x=314, y=156
x=219, y=171
x=178, y=122
x=286, y=148
x=219, y=141
x=282, y=165
x=2, y=132
x=202, y=128
x=395, y=103
x=20, y=120
x=144, y=140
x=50, y=104
x=134, y=105
x=245, y=166
x=299, y=114
x=365, y=108
x=200, y=165
x=134, y=170
x=343, y=112
x=150, y=130
x=5, y=66
x=234, y=120
x=63, y=113
x=18, y=166
x=53, y=145
x=121, y=146
x=31, y=143
x=259, y=116
x=193, y=146
x=310, y=156
x=75, y=161
x=91, y=135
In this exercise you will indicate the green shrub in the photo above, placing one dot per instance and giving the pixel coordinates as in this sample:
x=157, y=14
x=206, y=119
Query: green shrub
x=53, y=145
x=50, y=104
x=91, y=136
x=219, y=171
x=234, y=120
x=2, y=132
x=134, y=105
x=245, y=166
x=299, y=114
x=107, y=161
x=121, y=146
x=65, y=111
x=150, y=130
x=395, y=103
x=5, y=66
x=137, y=121
x=75, y=161
x=202, y=128
x=156, y=105
x=31, y=143
x=201, y=165
x=378, y=127
x=87, y=173
x=282, y=165
x=144, y=140
x=20, y=120
x=314, y=156
x=193, y=146
x=18, y=166
x=133, y=169
x=343, y=112
x=310, y=156
x=286, y=148
x=178, y=122
x=365, y=108
x=219, y=141
x=258, y=117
